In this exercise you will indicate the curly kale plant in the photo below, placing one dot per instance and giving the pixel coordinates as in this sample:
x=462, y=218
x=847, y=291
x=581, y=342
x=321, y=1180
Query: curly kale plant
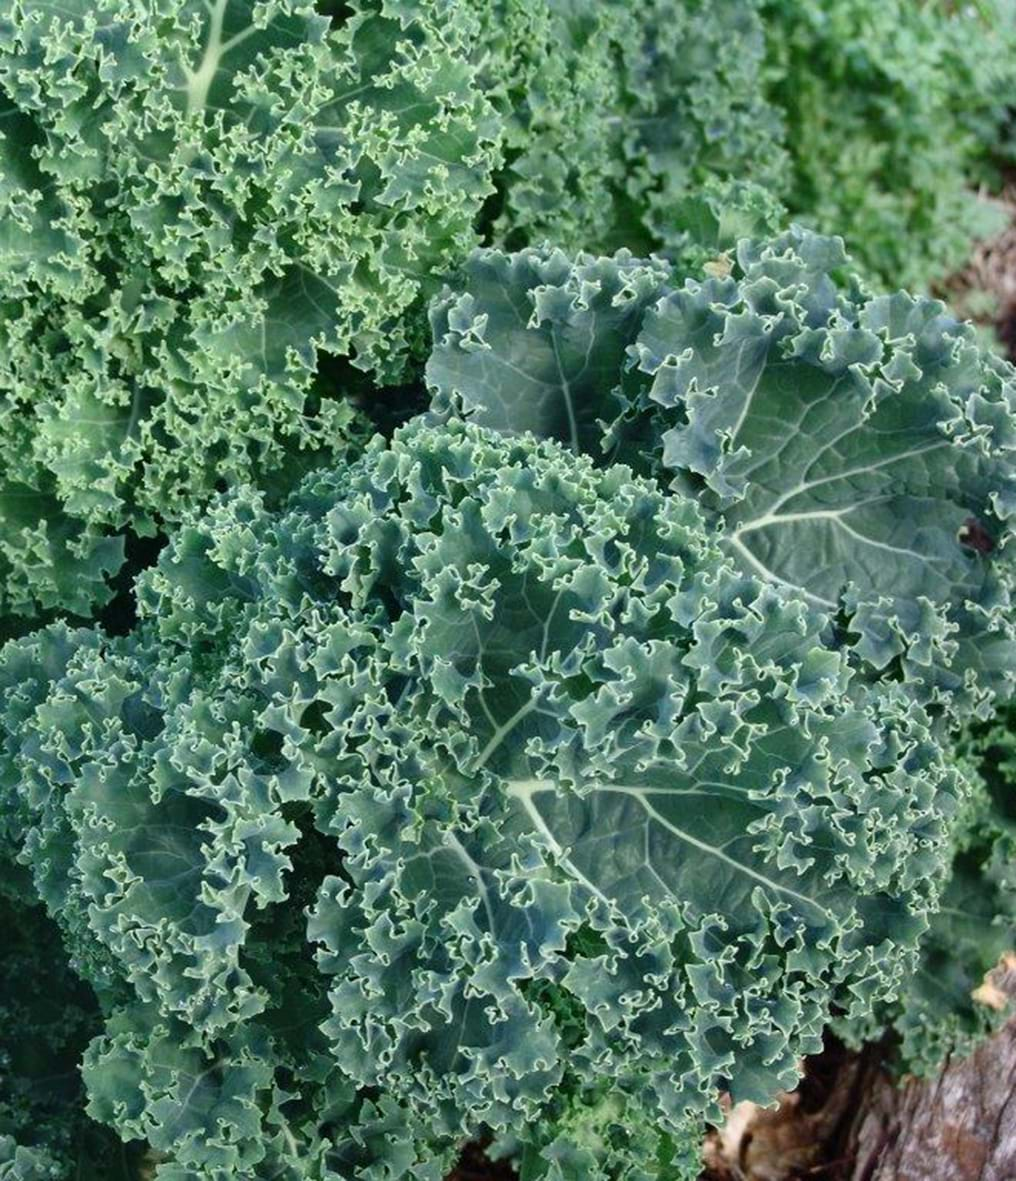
x=560, y=767
x=197, y=198
x=873, y=120
x=855, y=450
x=589, y=824
x=203, y=200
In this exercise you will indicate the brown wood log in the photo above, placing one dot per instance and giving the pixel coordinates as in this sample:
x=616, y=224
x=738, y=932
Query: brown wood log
x=958, y=1126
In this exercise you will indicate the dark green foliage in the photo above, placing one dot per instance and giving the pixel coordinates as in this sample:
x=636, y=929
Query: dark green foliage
x=948, y=1005
x=616, y=114
x=547, y=768
x=198, y=200
x=47, y=1017
x=479, y=768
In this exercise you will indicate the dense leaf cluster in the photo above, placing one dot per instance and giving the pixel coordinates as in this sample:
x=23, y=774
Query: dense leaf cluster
x=866, y=119
x=856, y=449
x=617, y=115
x=524, y=782
x=198, y=199
x=952, y=1001
x=891, y=113
x=215, y=211
x=556, y=764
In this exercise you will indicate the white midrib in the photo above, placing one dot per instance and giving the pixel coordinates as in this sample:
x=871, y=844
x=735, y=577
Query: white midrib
x=773, y=517
x=761, y=568
x=199, y=81
x=821, y=514
x=502, y=731
x=475, y=872
x=453, y=845
x=749, y=394
x=568, y=401
x=836, y=516
x=198, y=1079
x=524, y=790
x=807, y=485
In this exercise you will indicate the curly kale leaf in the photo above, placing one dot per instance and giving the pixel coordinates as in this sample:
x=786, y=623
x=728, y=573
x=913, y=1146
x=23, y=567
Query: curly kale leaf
x=862, y=450
x=857, y=450
x=583, y=819
x=197, y=202
x=616, y=115
x=950, y=1003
